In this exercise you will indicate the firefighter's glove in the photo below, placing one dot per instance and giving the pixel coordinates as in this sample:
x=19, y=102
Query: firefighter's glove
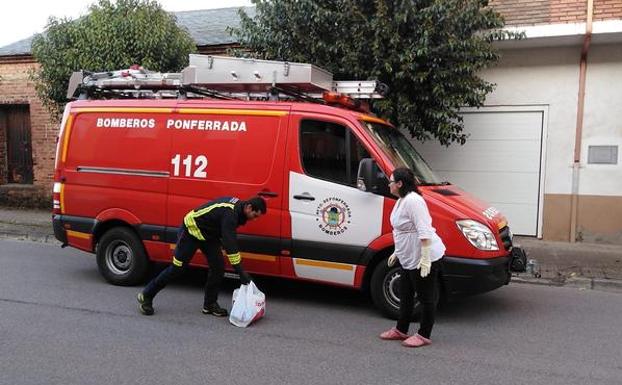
x=392, y=259
x=424, y=263
x=245, y=279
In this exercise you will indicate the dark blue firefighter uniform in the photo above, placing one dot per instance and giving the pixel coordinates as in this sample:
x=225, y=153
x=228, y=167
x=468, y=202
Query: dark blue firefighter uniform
x=208, y=228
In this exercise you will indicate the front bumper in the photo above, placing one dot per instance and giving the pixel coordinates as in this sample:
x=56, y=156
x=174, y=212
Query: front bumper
x=467, y=276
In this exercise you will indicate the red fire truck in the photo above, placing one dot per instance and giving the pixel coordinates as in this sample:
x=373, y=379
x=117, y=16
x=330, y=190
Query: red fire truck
x=138, y=150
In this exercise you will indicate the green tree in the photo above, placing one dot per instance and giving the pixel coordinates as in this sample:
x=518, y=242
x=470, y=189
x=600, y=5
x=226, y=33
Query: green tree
x=111, y=36
x=429, y=52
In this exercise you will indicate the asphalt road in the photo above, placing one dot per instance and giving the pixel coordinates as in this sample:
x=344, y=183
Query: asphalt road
x=60, y=323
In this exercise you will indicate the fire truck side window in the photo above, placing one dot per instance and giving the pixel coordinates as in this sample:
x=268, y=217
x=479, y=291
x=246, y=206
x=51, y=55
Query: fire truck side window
x=330, y=152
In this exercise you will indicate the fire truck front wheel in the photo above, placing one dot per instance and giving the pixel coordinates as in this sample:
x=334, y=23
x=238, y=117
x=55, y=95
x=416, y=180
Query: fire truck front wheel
x=121, y=257
x=385, y=291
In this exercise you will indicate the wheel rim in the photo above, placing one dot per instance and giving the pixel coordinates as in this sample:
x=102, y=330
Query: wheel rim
x=390, y=288
x=119, y=257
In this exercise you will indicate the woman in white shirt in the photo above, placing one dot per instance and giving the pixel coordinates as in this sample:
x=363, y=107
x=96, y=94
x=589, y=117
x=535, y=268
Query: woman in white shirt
x=419, y=251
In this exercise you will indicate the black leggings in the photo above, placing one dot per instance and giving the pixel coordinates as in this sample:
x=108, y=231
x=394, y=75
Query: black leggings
x=186, y=246
x=411, y=282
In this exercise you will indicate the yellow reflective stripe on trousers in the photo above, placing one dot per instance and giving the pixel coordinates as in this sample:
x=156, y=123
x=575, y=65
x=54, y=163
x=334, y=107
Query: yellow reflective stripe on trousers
x=177, y=262
x=191, y=223
x=234, y=259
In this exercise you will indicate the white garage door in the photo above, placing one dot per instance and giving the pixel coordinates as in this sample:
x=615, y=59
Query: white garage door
x=500, y=162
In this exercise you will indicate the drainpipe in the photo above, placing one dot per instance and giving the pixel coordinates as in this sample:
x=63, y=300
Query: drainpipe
x=574, y=200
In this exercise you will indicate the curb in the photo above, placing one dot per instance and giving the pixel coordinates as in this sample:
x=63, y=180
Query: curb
x=39, y=238
x=581, y=283
x=27, y=232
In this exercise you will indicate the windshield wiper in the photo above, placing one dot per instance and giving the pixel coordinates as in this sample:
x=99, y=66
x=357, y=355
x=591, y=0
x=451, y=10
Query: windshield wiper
x=433, y=184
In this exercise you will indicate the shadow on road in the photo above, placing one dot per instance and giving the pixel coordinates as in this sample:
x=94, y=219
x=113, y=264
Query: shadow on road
x=476, y=308
x=306, y=293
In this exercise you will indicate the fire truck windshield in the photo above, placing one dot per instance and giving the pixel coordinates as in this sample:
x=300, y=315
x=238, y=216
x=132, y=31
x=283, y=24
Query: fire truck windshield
x=402, y=153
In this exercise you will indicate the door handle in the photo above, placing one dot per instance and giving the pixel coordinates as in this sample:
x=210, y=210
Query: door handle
x=304, y=197
x=270, y=194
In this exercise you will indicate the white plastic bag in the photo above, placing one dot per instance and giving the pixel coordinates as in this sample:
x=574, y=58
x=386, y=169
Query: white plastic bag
x=248, y=305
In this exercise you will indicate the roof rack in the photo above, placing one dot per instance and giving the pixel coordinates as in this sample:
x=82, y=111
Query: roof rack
x=223, y=77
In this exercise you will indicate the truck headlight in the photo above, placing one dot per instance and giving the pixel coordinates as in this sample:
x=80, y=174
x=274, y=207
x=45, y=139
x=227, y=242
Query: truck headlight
x=478, y=234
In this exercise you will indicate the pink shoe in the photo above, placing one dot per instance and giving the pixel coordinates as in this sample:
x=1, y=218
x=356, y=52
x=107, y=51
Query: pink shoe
x=393, y=334
x=416, y=341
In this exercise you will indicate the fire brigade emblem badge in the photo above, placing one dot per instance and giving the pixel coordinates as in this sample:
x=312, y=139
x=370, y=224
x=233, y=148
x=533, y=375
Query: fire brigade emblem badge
x=333, y=216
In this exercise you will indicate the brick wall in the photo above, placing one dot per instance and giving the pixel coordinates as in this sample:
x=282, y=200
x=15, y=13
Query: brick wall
x=16, y=88
x=607, y=10
x=514, y=11
x=533, y=12
x=3, y=153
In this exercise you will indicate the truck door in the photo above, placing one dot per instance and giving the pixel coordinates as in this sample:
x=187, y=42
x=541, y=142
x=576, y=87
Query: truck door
x=220, y=150
x=332, y=221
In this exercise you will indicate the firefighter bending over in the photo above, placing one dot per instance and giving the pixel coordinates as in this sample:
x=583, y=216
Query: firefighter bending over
x=208, y=227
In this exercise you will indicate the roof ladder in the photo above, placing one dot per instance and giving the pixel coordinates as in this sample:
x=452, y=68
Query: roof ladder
x=225, y=77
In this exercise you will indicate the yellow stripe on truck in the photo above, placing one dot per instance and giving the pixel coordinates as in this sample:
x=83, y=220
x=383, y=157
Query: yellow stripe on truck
x=78, y=234
x=152, y=110
x=202, y=111
x=220, y=111
x=328, y=265
x=259, y=257
x=67, y=132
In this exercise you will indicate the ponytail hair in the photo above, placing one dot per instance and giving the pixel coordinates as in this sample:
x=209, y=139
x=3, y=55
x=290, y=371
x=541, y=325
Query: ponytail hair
x=407, y=177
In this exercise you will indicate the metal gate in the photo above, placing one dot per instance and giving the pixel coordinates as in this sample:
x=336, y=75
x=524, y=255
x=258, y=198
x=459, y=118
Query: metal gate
x=16, y=122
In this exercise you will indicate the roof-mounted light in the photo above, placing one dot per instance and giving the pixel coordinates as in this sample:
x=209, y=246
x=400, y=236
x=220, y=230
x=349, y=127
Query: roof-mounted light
x=343, y=100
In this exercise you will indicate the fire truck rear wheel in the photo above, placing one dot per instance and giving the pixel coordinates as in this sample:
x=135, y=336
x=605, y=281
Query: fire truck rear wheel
x=121, y=257
x=385, y=291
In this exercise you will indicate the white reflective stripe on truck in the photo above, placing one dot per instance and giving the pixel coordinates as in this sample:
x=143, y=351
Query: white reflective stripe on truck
x=123, y=171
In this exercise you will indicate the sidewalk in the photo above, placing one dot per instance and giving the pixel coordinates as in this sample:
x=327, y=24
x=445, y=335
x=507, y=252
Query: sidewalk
x=582, y=265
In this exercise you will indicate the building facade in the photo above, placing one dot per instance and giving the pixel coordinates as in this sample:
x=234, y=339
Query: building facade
x=545, y=148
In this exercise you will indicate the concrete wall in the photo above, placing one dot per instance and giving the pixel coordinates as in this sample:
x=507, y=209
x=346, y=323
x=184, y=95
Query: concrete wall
x=550, y=76
x=600, y=185
x=603, y=119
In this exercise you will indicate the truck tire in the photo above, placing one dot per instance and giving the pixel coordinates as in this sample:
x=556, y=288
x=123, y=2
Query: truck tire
x=385, y=291
x=121, y=257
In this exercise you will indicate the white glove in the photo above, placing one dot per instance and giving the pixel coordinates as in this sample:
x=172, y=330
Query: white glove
x=392, y=260
x=424, y=263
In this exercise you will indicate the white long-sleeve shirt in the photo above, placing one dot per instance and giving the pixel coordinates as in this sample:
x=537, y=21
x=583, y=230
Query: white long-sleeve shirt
x=411, y=223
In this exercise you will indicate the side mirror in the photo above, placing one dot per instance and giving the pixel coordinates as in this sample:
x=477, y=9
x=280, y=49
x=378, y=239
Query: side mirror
x=367, y=178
